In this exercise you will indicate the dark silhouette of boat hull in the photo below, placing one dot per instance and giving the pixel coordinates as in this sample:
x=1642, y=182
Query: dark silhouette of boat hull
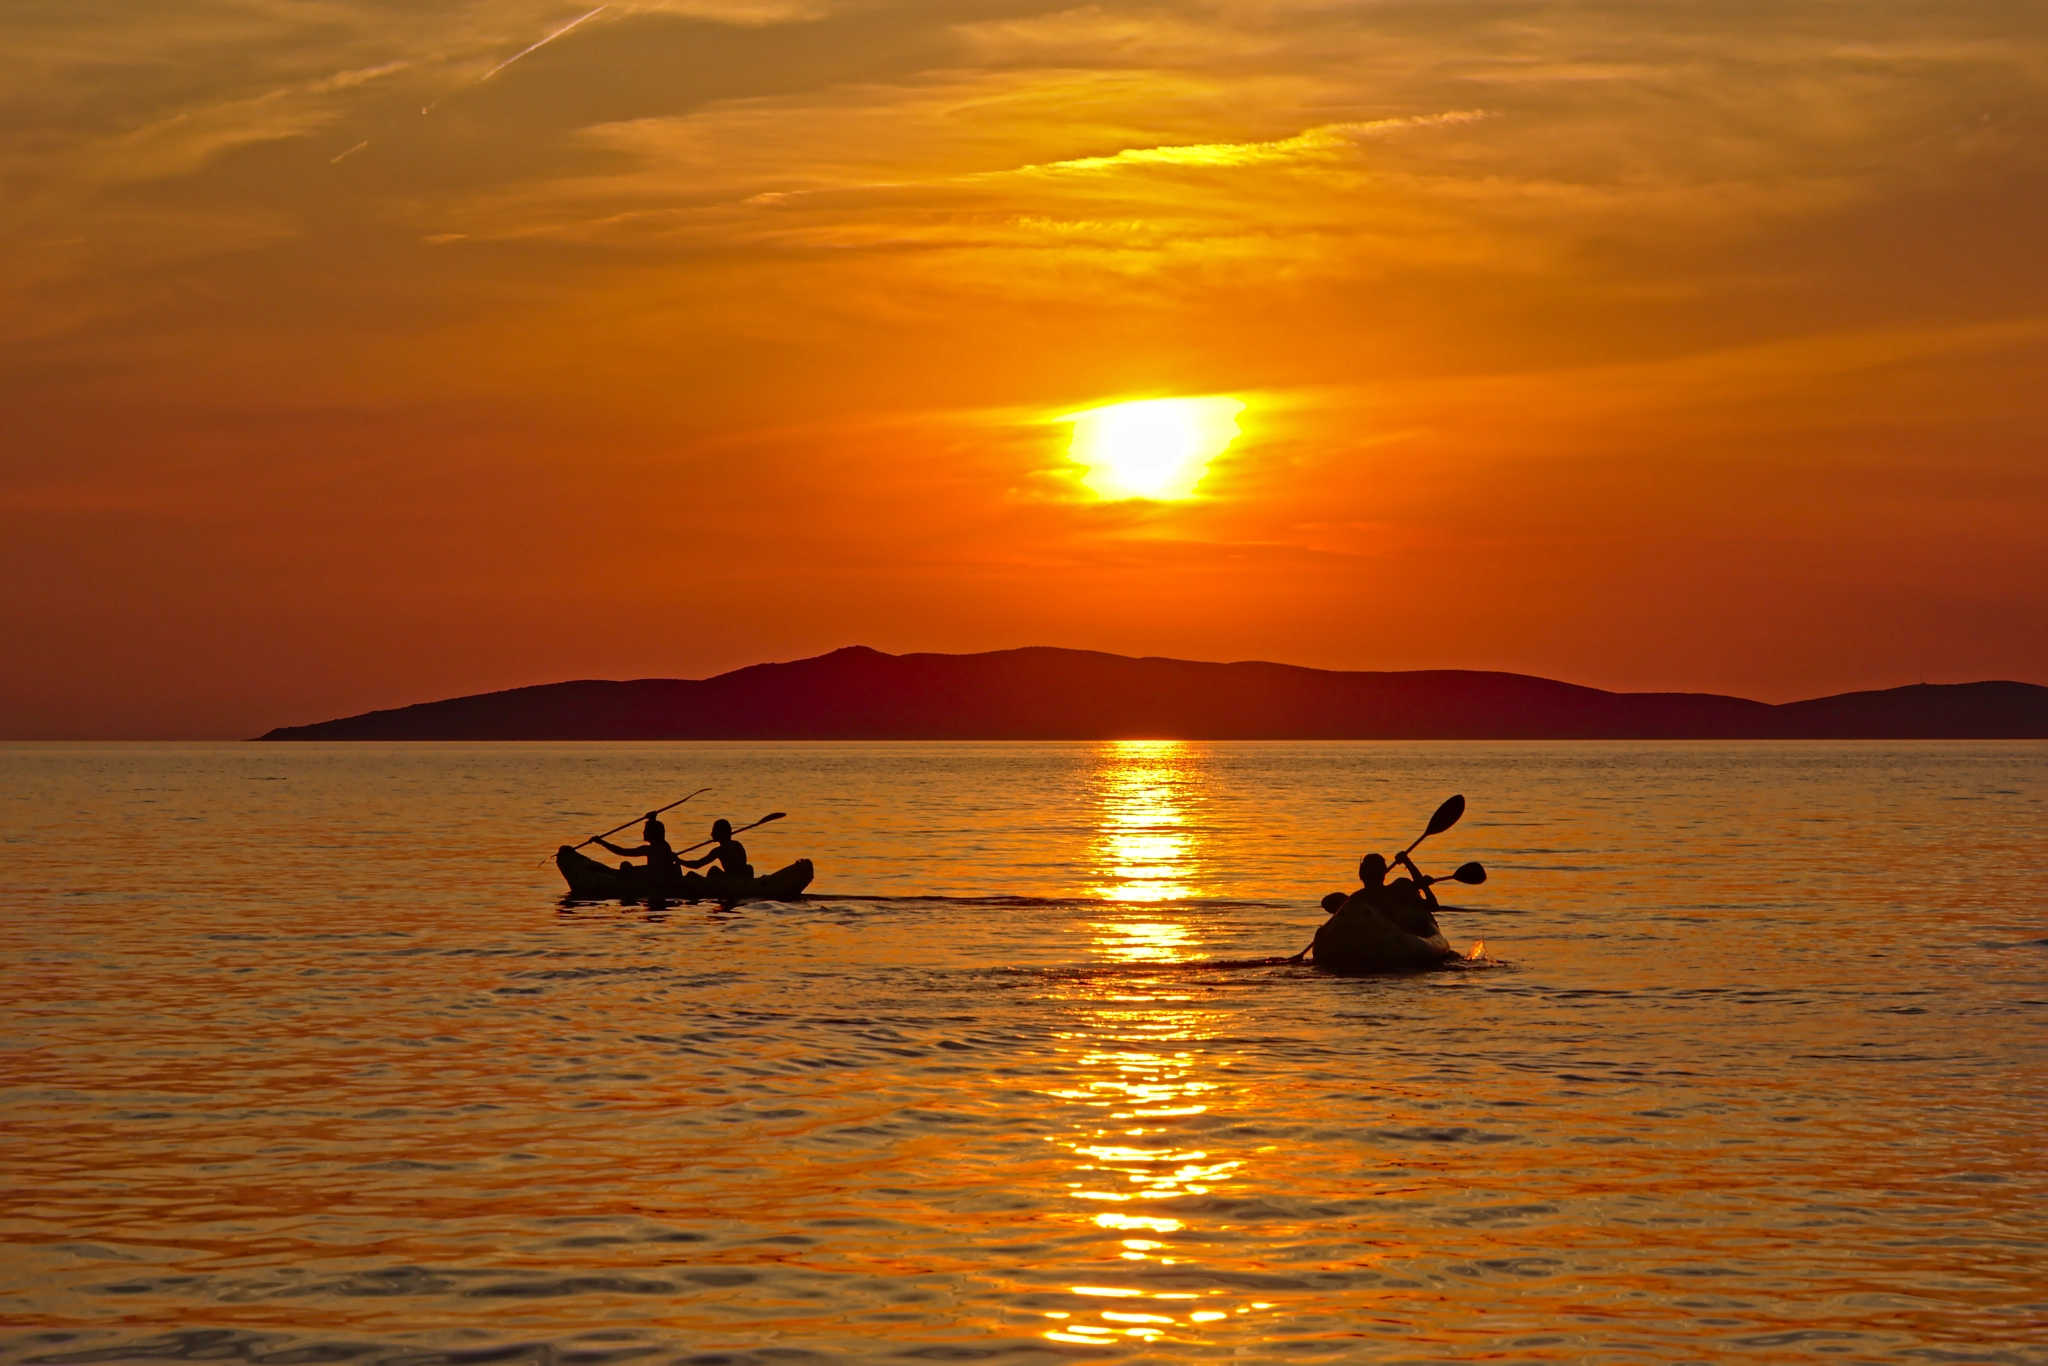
x=590, y=880
x=1361, y=938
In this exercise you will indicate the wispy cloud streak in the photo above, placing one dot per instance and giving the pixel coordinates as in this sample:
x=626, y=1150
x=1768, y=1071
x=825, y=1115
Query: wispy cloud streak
x=1310, y=142
x=542, y=43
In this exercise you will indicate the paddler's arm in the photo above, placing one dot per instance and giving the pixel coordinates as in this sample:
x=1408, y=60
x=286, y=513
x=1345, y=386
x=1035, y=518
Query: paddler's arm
x=1422, y=882
x=640, y=852
x=698, y=862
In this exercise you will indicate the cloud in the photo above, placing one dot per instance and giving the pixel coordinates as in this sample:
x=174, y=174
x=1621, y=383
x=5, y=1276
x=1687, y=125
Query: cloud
x=180, y=143
x=742, y=265
x=537, y=46
x=1311, y=144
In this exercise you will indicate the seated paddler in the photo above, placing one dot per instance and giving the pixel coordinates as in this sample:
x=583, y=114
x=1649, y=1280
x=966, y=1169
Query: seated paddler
x=661, y=860
x=1409, y=902
x=1402, y=901
x=1379, y=927
x=1372, y=876
x=1372, y=888
x=728, y=853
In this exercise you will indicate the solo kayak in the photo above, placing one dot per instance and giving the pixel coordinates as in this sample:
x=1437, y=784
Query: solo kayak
x=590, y=880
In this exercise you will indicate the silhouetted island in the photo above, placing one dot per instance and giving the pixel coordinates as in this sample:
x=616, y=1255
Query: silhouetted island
x=1051, y=694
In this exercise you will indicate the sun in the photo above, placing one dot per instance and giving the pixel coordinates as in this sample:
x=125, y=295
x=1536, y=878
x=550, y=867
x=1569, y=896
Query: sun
x=1156, y=448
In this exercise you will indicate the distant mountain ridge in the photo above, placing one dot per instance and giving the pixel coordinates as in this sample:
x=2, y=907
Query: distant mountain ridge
x=1044, y=693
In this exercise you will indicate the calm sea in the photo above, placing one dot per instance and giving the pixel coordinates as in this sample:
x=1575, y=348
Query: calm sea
x=304, y=1061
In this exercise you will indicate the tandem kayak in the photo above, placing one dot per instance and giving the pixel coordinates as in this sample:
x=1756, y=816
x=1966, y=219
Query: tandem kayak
x=1362, y=937
x=590, y=880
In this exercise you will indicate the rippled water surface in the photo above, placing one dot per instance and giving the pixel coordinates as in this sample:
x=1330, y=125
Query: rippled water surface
x=303, y=1061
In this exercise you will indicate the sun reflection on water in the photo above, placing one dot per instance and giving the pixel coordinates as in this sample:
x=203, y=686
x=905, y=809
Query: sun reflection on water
x=1139, y=1064
x=1139, y=1150
x=1145, y=846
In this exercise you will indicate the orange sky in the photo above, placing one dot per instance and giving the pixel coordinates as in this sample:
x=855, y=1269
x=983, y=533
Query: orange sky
x=1648, y=346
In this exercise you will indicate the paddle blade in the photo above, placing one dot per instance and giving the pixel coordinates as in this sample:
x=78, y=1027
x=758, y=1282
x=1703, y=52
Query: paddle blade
x=1471, y=874
x=1446, y=816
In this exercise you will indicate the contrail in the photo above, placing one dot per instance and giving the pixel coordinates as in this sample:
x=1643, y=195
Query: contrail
x=350, y=152
x=541, y=44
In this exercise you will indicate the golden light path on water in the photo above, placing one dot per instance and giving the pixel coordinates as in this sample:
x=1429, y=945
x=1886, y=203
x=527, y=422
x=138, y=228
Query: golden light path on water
x=1141, y=1072
x=1145, y=840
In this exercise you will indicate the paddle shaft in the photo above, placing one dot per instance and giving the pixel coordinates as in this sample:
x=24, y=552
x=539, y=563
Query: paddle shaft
x=623, y=824
x=771, y=816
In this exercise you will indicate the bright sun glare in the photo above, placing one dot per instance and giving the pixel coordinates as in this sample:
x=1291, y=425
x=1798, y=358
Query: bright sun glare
x=1151, y=448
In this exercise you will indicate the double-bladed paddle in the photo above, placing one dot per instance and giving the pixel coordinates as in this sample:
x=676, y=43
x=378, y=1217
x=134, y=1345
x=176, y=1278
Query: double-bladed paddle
x=623, y=824
x=771, y=816
x=1447, y=815
x=1471, y=874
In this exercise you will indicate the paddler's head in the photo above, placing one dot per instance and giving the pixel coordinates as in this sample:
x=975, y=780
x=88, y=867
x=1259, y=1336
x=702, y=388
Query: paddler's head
x=1372, y=870
x=721, y=830
x=655, y=829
